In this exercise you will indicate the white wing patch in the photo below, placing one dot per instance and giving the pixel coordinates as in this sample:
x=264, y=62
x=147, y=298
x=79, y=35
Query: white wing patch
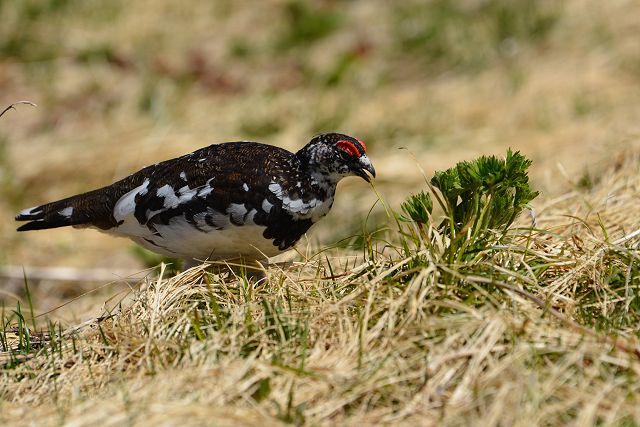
x=248, y=218
x=126, y=205
x=167, y=192
x=124, y=211
x=237, y=212
x=66, y=212
x=206, y=189
x=205, y=219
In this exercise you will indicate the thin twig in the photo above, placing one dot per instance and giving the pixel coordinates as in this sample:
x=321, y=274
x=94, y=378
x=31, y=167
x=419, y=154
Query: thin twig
x=12, y=106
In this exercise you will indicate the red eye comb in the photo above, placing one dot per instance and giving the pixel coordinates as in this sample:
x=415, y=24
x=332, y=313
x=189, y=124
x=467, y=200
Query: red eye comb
x=348, y=147
x=362, y=143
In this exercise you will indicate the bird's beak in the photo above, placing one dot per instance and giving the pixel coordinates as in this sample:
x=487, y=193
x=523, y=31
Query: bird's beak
x=366, y=171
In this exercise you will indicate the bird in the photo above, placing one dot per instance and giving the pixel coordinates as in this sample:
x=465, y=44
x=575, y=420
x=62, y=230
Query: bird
x=233, y=200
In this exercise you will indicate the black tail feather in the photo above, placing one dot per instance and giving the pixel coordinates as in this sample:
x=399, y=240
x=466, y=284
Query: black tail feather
x=93, y=208
x=50, y=215
x=43, y=224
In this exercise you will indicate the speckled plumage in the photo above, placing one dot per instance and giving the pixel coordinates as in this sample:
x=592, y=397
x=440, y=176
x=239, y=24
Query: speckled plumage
x=237, y=199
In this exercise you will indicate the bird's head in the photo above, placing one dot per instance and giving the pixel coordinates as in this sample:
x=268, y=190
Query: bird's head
x=335, y=156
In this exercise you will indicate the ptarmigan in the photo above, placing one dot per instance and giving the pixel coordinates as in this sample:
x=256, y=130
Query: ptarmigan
x=232, y=200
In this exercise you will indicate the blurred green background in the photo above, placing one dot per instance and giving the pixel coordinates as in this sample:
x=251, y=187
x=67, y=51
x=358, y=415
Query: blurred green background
x=122, y=84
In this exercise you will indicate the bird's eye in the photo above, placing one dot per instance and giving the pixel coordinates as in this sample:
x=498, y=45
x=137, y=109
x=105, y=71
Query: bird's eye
x=348, y=147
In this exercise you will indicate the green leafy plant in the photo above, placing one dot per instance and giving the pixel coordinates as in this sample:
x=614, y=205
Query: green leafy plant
x=480, y=199
x=487, y=193
x=417, y=208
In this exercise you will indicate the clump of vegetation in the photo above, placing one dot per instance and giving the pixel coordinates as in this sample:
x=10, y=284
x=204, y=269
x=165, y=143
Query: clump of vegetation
x=485, y=194
x=479, y=199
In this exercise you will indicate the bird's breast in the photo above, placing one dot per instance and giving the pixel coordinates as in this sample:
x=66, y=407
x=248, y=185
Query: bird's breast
x=300, y=205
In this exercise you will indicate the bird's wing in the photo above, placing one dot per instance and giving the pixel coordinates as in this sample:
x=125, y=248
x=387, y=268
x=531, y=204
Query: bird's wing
x=215, y=187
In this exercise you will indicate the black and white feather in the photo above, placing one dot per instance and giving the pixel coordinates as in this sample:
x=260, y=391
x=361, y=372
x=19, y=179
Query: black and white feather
x=237, y=199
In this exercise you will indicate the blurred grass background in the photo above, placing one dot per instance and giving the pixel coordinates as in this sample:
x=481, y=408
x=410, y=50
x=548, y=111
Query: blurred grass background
x=123, y=84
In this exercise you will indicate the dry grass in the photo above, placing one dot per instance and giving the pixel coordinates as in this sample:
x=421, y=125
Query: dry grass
x=373, y=344
x=543, y=331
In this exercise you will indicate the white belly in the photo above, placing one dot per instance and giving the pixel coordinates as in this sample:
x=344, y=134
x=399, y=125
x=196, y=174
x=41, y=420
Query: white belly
x=184, y=241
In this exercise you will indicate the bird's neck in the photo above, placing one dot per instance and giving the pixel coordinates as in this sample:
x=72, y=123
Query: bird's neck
x=312, y=161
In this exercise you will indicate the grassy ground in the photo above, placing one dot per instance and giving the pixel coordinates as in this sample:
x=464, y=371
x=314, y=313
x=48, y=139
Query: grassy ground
x=542, y=330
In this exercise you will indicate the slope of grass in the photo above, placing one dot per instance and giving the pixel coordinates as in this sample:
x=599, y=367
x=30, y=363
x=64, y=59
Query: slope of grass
x=539, y=327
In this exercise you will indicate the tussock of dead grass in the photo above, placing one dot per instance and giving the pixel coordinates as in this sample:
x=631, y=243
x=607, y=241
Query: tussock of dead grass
x=373, y=344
